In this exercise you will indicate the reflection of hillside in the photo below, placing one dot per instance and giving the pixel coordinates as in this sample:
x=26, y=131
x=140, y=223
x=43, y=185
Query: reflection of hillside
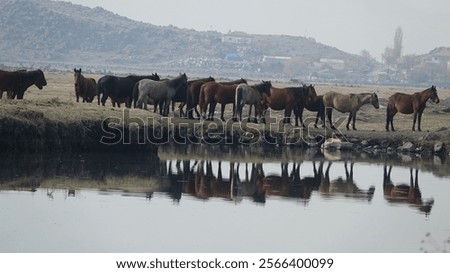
x=99, y=171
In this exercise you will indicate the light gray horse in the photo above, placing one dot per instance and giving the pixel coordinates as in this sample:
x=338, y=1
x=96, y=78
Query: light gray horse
x=252, y=95
x=160, y=91
x=350, y=103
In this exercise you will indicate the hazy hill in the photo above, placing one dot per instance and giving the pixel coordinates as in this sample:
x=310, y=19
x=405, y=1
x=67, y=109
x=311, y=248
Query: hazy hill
x=55, y=33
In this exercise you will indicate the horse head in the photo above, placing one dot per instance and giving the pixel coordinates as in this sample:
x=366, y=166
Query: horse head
x=155, y=76
x=264, y=87
x=40, y=81
x=77, y=79
x=433, y=94
x=374, y=100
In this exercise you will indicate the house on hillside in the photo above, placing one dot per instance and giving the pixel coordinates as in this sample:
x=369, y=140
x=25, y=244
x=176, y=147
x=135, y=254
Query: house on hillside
x=237, y=37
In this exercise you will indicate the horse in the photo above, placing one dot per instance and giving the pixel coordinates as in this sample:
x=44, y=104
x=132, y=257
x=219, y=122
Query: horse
x=404, y=193
x=288, y=99
x=84, y=87
x=313, y=103
x=253, y=95
x=409, y=104
x=350, y=103
x=192, y=96
x=119, y=89
x=17, y=82
x=160, y=91
x=212, y=93
x=344, y=187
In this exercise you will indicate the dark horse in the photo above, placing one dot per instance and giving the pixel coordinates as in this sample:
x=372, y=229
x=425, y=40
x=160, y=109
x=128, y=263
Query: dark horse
x=17, y=82
x=119, y=89
x=212, y=93
x=313, y=103
x=409, y=104
x=193, y=94
x=288, y=99
x=85, y=88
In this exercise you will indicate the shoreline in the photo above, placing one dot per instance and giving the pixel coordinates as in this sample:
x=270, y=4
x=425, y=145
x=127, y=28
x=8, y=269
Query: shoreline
x=54, y=125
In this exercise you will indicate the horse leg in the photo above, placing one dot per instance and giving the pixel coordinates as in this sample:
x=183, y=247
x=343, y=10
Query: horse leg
x=354, y=121
x=391, y=115
x=167, y=107
x=212, y=109
x=388, y=118
x=419, y=121
x=329, y=111
x=104, y=98
x=348, y=121
x=300, y=116
x=414, y=121
x=222, y=110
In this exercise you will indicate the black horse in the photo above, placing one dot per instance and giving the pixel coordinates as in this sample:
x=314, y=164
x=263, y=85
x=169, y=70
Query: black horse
x=119, y=89
x=17, y=82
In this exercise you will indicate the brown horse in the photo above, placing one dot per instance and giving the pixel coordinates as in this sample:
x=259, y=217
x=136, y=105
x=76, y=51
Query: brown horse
x=288, y=99
x=404, y=193
x=192, y=96
x=84, y=87
x=350, y=103
x=17, y=82
x=313, y=103
x=409, y=104
x=212, y=93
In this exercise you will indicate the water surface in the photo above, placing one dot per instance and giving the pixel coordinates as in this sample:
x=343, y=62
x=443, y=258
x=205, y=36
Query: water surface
x=224, y=200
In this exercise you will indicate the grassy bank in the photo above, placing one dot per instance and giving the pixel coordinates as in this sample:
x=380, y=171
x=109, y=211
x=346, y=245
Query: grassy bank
x=51, y=120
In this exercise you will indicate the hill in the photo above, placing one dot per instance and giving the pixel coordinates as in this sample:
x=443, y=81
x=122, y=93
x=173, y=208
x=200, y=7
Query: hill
x=63, y=35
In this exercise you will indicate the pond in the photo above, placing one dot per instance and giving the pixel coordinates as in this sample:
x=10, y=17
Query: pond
x=224, y=199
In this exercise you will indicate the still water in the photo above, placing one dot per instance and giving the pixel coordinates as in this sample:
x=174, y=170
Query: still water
x=222, y=199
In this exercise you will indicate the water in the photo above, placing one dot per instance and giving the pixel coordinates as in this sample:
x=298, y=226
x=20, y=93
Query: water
x=198, y=199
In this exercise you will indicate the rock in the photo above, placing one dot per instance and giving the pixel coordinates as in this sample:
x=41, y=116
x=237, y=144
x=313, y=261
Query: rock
x=407, y=147
x=336, y=144
x=439, y=147
x=365, y=143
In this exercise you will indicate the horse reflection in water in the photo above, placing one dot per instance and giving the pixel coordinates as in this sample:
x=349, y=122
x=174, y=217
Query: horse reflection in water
x=344, y=187
x=205, y=180
x=289, y=183
x=404, y=193
x=200, y=181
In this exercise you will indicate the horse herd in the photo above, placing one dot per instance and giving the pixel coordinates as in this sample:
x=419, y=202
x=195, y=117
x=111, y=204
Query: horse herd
x=206, y=93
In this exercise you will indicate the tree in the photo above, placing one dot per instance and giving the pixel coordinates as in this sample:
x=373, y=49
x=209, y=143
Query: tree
x=392, y=56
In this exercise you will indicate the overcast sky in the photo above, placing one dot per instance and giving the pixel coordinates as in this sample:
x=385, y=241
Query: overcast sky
x=349, y=25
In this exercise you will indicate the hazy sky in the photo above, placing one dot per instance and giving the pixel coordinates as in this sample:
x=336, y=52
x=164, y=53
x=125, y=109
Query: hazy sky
x=350, y=25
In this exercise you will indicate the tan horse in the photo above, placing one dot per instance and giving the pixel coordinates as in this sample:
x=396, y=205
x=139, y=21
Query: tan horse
x=409, y=104
x=350, y=103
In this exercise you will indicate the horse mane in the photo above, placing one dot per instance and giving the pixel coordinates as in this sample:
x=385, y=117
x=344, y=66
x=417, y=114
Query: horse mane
x=176, y=81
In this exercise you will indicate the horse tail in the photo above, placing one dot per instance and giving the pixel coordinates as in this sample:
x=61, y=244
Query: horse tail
x=238, y=100
x=135, y=95
x=202, y=100
x=189, y=103
x=99, y=91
